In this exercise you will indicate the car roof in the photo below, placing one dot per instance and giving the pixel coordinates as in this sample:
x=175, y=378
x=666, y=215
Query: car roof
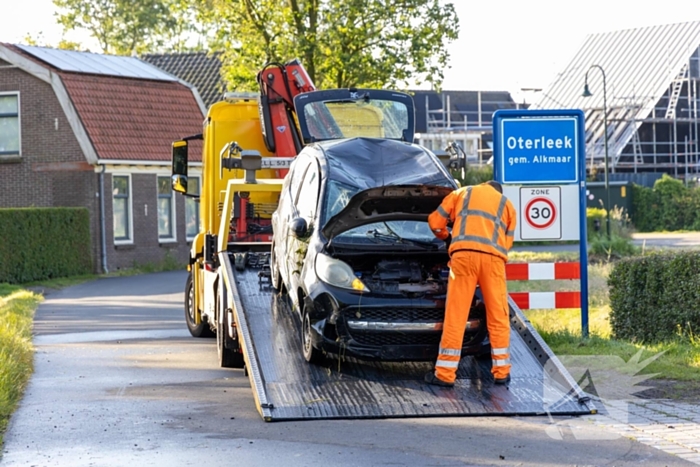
x=373, y=162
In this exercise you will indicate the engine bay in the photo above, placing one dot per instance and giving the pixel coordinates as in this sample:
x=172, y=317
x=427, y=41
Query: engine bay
x=409, y=277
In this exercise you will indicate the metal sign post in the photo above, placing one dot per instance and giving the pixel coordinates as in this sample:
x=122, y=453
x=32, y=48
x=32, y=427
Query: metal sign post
x=539, y=159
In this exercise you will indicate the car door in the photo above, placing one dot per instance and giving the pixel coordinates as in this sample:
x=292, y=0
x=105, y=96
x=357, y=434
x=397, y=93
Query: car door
x=284, y=216
x=279, y=233
x=305, y=207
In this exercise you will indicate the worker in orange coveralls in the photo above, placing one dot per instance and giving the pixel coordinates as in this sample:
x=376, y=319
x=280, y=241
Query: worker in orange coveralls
x=483, y=225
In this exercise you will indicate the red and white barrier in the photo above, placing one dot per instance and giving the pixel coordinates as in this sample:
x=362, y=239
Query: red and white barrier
x=544, y=271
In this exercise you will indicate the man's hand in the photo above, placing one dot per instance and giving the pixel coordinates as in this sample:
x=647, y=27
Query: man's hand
x=448, y=240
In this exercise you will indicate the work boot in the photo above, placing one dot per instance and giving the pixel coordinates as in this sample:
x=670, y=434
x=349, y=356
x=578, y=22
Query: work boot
x=430, y=378
x=505, y=380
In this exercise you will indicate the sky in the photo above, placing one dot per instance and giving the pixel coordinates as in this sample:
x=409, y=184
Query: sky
x=503, y=45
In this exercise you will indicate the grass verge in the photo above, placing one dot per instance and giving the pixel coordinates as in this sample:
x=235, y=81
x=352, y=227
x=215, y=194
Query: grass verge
x=17, y=307
x=561, y=329
x=677, y=370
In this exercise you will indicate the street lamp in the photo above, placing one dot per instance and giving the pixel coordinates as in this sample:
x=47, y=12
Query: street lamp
x=587, y=93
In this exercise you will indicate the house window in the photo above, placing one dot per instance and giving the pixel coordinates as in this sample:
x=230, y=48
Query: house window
x=121, y=206
x=192, y=208
x=166, y=210
x=9, y=125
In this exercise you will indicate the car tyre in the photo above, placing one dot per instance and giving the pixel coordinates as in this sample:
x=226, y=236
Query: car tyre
x=229, y=355
x=311, y=353
x=197, y=330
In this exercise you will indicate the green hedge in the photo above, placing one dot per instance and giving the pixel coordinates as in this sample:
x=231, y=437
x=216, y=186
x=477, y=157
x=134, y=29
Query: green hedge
x=670, y=205
x=655, y=298
x=44, y=243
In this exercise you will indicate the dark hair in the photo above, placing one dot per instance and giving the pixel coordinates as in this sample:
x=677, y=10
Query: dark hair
x=496, y=186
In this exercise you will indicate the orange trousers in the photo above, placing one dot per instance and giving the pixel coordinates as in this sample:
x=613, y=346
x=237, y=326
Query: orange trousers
x=467, y=269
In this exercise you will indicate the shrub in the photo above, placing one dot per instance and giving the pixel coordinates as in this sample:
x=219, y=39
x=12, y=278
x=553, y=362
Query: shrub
x=656, y=297
x=645, y=206
x=620, y=243
x=44, y=243
x=599, y=247
x=474, y=175
x=669, y=206
x=594, y=215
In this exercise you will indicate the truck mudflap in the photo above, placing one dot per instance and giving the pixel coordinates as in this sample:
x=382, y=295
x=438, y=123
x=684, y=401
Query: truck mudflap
x=286, y=387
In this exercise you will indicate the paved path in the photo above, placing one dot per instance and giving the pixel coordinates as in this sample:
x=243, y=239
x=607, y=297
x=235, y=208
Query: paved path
x=688, y=240
x=118, y=382
x=667, y=240
x=670, y=426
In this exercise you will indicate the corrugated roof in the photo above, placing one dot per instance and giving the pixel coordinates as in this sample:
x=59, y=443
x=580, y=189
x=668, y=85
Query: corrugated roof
x=462, y=104
x=86, y=62
x=639, y=64
x=201, y=70
x=133, y=119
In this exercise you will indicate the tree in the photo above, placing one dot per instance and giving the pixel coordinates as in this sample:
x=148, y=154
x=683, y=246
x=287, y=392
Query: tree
x=190, y=31
x=342, y=43
x=121, y=27
x=40, y=41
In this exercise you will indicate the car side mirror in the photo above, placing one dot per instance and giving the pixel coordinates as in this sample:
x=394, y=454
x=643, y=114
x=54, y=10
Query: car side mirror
x=299, y=227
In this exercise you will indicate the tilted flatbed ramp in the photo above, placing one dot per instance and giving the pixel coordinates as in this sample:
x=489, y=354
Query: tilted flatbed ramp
x=286, y=387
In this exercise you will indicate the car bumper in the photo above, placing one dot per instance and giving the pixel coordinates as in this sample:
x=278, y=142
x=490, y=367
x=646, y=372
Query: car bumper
x=391, y=329
x=349, y=346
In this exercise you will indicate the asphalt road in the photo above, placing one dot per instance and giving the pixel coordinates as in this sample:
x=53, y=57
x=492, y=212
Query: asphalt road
x=688, y=240
x=119, y=382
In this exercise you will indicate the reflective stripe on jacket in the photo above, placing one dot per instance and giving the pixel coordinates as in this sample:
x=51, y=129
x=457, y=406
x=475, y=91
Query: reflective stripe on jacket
x=482, y=220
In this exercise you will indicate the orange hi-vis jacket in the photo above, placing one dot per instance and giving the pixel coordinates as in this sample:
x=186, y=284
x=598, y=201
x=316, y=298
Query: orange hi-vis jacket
x=482, y=220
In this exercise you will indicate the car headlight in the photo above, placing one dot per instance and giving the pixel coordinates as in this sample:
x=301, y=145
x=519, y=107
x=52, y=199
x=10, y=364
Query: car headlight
x=338, y=273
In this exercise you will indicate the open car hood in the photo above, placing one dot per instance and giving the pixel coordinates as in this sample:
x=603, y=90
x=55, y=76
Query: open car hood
x=386, y=203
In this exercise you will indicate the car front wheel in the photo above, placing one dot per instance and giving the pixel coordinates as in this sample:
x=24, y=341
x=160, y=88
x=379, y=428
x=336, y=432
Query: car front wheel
x=311, y=353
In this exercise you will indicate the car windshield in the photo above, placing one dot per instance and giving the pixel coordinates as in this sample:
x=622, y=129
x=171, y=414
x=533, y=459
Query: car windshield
x=416, y=233
x=363, y=117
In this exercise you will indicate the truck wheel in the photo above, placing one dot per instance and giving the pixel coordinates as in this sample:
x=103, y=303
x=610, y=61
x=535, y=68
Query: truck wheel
x=311, y=353
x=227, y=349
x=197, y=330
x=275, y=277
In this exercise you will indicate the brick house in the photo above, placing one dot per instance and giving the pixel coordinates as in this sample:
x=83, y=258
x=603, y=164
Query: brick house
x=94, y=131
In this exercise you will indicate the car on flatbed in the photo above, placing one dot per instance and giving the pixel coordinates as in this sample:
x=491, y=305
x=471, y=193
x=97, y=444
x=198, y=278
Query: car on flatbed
x=351, y=245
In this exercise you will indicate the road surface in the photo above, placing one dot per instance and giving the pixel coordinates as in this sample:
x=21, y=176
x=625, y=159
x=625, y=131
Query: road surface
x=119, y=382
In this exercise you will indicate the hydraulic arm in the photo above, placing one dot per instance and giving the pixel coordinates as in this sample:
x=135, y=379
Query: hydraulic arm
x=279, y=84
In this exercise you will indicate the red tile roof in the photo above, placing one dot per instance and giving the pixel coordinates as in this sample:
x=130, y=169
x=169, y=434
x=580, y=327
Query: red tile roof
x=134, y=119
x=131, y=119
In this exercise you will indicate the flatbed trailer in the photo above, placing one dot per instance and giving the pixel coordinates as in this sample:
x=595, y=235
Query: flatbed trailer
x=286, y=387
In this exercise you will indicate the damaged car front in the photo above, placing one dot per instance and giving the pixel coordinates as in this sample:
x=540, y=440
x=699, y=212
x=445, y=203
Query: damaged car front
x=380, y=276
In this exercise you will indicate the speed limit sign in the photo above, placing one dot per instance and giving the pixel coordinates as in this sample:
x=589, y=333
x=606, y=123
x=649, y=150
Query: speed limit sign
x=540, y=213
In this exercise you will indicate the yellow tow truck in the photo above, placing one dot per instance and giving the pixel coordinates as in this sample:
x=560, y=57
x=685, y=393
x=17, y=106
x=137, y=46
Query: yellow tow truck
x=249, y=143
